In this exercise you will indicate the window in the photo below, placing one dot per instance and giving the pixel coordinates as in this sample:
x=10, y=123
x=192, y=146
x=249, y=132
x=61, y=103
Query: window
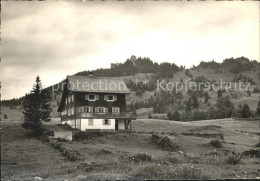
x=90, y=122
x=88, y=109
x=106, y=122
x=66, y=100
x=72, y=98
x=91, y=97
x=101, y=110
x=110, y=98
x=115, y=110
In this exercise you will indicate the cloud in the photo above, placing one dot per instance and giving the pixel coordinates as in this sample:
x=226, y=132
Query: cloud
x=55, y=39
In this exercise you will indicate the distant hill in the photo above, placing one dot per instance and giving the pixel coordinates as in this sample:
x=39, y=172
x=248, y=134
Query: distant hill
x=233, y=65
x=144, y=68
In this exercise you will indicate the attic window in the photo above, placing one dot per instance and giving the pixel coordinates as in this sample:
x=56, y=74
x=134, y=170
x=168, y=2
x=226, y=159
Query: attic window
x=91, y=97
x=110, y=98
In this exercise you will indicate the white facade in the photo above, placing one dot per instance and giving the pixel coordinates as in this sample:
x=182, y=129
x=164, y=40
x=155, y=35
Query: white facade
x=88, y=124
x=97, y=124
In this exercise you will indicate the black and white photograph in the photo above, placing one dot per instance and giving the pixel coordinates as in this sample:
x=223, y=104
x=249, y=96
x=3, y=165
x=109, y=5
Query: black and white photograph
x=130, y=90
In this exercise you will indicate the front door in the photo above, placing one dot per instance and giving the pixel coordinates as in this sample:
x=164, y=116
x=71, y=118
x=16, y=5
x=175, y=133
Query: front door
x=116, y=124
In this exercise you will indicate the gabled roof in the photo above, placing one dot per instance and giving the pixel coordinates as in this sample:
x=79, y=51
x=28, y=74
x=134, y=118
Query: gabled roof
x=97, y=84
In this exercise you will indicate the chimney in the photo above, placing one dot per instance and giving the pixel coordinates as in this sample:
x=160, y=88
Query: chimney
x=90, y=74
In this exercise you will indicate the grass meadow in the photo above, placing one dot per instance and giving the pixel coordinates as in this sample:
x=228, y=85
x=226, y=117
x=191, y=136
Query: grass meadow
x=134, y=155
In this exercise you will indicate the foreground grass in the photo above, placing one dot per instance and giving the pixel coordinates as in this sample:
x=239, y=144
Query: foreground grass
x=135, y=155
x=25, y=158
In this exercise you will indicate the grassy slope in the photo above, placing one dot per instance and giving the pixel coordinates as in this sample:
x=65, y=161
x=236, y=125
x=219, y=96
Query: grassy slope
x=24, y=158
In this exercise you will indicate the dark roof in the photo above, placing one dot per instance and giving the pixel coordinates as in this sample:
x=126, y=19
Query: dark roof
x=100, y=84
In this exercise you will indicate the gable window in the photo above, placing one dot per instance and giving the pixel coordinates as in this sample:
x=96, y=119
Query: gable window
x=110, y=98
x=91, y=97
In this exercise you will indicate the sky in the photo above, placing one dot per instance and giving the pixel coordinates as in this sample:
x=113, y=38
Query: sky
x=54, y=39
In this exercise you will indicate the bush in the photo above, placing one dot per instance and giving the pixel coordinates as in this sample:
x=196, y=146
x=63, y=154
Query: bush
x=164, y=142
x=141, y=157
x=69, y=153
x=216, y=143
x=258, y=145
x=199, y=115
x=252, y=153
x=233, y=159
x=82, y=135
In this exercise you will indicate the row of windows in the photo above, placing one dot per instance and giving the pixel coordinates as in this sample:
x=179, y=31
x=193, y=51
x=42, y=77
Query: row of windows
x=94, y=97
x=104, y=122
x=87, y=109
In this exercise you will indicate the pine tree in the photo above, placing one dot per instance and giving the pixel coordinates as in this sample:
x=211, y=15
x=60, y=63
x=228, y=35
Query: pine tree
x=219, y=92
x=36, y=108
x=258, y=109
x=188, y=106
x=246, y=111
x=195, y=101
x=248, y=93
x=45, y=105
x=207, y=97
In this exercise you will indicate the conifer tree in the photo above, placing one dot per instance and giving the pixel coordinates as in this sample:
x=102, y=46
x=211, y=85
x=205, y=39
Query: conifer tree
x=36, y=108
x=219, y=92
x=246, y=111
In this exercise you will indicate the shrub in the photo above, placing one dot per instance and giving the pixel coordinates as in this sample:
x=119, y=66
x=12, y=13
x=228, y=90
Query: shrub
x=141, y=157
x=252, y=153
x=82, y=135
x=199, y=115
x=62, y=140
x=164, y=142
x=258, y=145
x=216, y=143
x=233, y=159
x=69, y=153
